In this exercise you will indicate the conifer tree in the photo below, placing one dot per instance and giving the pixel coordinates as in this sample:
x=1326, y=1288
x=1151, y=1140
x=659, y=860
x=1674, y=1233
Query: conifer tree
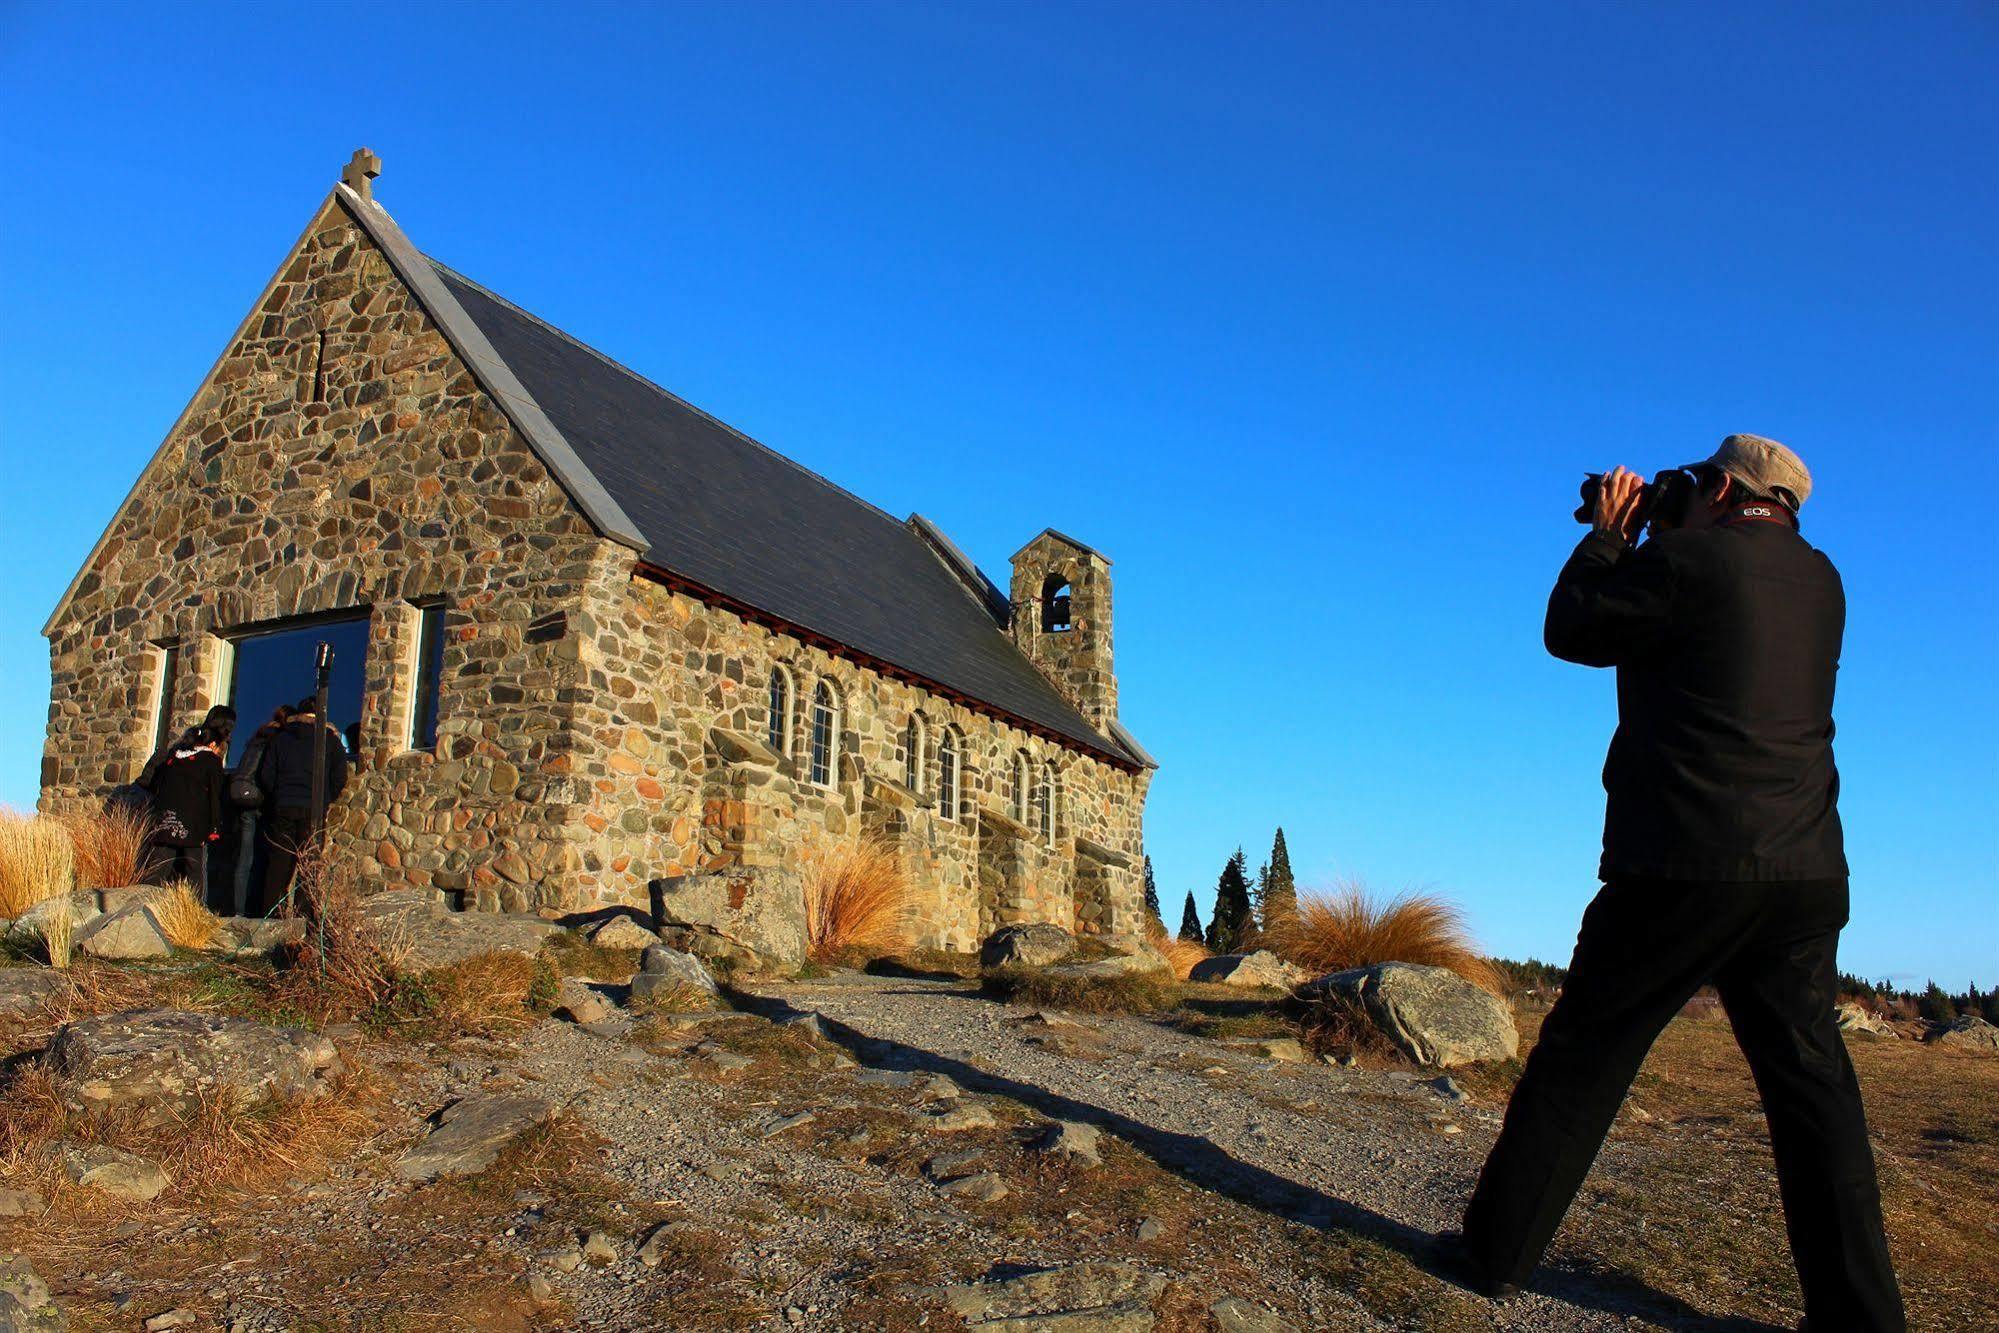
x=1190, y=921
x=1152, y=896
x=1935, y=1005
x=1232, y=920
x=1279, y=898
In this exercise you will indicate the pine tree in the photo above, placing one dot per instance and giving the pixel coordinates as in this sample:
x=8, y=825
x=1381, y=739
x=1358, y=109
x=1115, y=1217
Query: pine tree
x=1279, y=897
x=1232, y=920
x=1152, y=896
x=1190, y=921
x=1935, y=1005
x=1989, y=1006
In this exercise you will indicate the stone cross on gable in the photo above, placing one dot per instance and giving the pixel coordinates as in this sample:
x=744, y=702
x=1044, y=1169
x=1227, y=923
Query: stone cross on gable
x=359, y=173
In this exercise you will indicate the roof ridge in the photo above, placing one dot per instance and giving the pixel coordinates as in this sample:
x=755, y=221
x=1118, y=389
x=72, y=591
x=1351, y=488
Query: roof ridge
x=660, y=389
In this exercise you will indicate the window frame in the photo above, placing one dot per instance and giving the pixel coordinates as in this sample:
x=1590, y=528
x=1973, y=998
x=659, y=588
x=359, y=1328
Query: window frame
x=1023, y=787
x=1044, y=806
x=427, y=648
x=950, y=774
x=822, y=768
x=778, y=728
x=915, y=752
x=166, y=685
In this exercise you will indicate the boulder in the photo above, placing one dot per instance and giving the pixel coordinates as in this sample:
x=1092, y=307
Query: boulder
x=1075, y=1140
x=128, y=933
x=1026, y=944
x=1233, y=1314
x=1861, y=1021
x=1082, y=1298
x=113, y=1171
x=434, y=936
x=1969, y=1033
x=471, y=1133
x=663, y=971
x=161, y=1061
x=1116, y=966
x=580, y=1003
x=22, y=989
x=262, y=935
x=745, y=916
x=621, y=932
x=21, y=1203
x=1262, y=969
x=1433, y=1015
x=84, y=906
x=25, y=1303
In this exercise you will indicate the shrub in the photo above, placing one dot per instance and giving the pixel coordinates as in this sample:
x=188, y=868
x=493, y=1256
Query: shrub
x=346, y=965
x=1121, y=993
x=36, y=862
x=1330, y=932
x=1181, y=954
x=858, y=899
x=183, y=920
x=110, y=846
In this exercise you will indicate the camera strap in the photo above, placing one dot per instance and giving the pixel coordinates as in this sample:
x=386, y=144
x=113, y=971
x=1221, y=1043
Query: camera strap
x=1760, y=511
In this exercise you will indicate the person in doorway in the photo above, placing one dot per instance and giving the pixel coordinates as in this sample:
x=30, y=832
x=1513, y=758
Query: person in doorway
x=136, y=797
x=246, y=798
x=1723, y=862
x=285, y=774
x=187, y=810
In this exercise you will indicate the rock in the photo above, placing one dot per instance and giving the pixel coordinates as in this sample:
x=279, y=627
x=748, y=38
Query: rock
x=1233, y=1314
x=1074, y=1140
x=599, y=1248
x=1858, y=1019
x=1114, y=967
x=622, y=932
x=567, y=1259
x=1433, y=1015
x=20, y=1203
x=84, y=906
x=1027, y=944
x=1284, y=1050
x=808, y=1025
x=23, y=989
x=113, y=1171
x=1262, y=969
x=25, y=1303
x=951, y=1165
x=663, y=971
x=582, y=1004
x=1151, y=1229
x=964, y=1116
x=128, y=933
x=540, y=1289
x=1970, y=1033
x=435, y=936
x=939, y=1088
x=164, y=1061
x=726, y=1060
x=750, y=916
x=1447, y=1087
x=982, y=1187
x=180, y=1318
x=471, y=1133
x=776, y=1125
x=1082, y=1298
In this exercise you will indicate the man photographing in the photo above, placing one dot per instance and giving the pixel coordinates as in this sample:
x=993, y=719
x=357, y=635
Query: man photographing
x=1723, y=862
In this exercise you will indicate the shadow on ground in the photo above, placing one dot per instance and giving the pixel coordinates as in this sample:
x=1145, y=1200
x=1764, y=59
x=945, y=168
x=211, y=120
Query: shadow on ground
x=1200, y=1161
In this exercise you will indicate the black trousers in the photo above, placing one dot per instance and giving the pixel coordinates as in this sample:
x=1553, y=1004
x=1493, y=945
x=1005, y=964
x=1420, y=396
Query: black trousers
x=1644, y=948
x=165, y=862
x=285, y=832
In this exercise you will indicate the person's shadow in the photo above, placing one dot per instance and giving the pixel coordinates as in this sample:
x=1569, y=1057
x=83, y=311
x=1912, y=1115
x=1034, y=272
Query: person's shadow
x=1200, y=1161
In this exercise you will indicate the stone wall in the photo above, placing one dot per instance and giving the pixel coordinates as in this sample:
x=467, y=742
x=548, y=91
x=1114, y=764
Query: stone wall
x=598, y=729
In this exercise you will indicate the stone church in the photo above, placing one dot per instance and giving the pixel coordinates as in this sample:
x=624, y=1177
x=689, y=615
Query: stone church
x=593, y=638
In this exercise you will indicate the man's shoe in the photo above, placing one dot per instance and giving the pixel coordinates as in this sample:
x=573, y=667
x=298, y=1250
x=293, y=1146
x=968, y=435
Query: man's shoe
x=1461, y=1266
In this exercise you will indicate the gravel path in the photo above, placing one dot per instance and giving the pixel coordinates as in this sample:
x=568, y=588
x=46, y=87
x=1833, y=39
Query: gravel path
x=1382, y=1160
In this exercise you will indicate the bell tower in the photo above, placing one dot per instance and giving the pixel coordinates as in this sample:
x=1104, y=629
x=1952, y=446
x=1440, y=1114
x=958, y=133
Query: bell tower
x=1061, y=618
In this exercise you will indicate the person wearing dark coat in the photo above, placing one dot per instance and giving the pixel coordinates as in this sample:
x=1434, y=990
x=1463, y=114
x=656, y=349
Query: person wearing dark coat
x=187, y=810
x=285, y=777
x=218, y=721
x=246, y=799
x=1723, y=863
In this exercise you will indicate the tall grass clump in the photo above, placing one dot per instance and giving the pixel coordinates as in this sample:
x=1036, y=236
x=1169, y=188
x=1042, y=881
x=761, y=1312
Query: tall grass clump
x=36, y=862
x=110, y=846
x=1181, y=955
x=183, y=919
x=59, y=936
x=858, y=900
x=1333, y=931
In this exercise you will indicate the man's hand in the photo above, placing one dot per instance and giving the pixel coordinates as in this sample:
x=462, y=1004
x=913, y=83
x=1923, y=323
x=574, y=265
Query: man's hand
x=1616, y=512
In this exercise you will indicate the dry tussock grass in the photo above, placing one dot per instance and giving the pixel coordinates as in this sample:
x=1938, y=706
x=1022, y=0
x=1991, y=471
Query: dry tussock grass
x=109, y=846
x=58, y=938
x=223, y=1143
x=36, y=862
x=182, y=918
x=346, y=965
x=1124, y=993
x=858, y=900
x=1181, y=955
x=1330, y=932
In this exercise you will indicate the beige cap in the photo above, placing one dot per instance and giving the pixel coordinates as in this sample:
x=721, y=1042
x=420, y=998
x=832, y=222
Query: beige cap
x=1764, y=466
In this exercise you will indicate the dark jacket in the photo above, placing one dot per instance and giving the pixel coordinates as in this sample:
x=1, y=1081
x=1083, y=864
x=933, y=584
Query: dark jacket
x=1726, y=642
x=285, y=773
x=187, y=797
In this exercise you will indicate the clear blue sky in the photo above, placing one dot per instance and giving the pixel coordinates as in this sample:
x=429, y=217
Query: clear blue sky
x=1311, y=316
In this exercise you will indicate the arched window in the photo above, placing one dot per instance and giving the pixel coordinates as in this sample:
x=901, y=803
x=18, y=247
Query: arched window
x=1023, y=785
x=947, y=774
x=1055, y=604
x=780, y=710
x=1044, y=805
x=825, y=735
x=913, y=744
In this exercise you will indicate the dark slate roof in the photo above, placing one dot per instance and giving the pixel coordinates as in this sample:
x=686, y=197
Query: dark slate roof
x=723, y=511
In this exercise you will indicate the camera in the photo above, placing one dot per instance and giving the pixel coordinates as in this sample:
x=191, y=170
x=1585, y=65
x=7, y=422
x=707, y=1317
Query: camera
x=1662, y=500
